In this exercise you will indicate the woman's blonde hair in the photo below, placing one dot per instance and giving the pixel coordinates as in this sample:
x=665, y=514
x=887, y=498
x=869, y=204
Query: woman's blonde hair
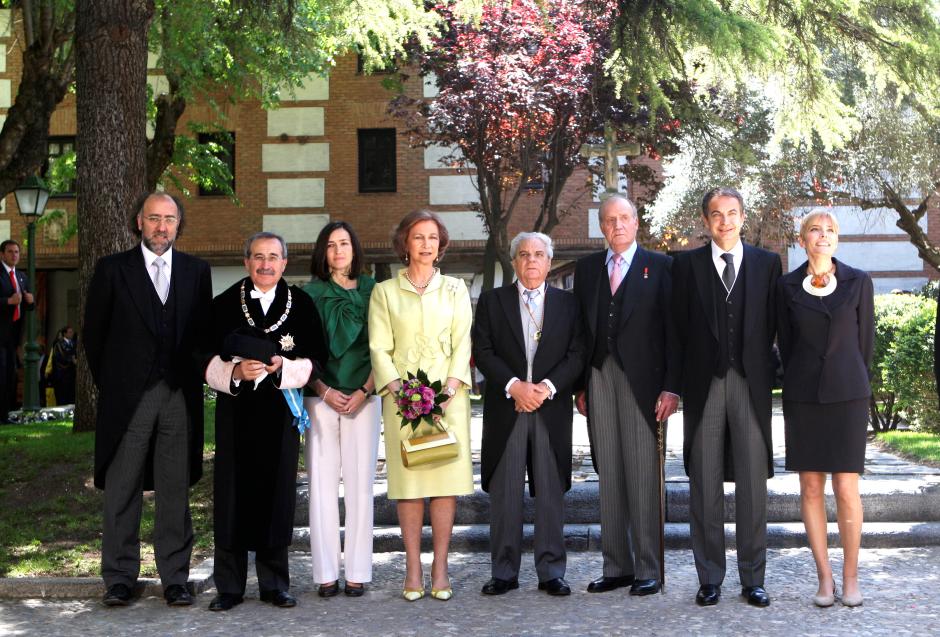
x=813, y=215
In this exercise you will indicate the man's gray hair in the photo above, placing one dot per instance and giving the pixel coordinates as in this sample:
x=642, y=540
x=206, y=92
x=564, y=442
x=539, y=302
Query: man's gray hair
x=265, y=235
x=523, y=236
x=615, y=197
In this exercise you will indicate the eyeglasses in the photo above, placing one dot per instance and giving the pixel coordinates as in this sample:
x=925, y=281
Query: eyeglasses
x=260, y=258
x=157, y=220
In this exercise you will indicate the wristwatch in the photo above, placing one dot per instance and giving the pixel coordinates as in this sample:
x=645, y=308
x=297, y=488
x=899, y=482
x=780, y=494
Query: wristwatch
x=365, y=391
x=450, y=391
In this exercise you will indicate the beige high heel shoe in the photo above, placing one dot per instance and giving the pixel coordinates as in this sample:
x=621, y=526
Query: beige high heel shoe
x=413, y=594
x=825, y=601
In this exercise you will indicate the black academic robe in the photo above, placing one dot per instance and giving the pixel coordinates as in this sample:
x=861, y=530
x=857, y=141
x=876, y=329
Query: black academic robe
x=257, y=444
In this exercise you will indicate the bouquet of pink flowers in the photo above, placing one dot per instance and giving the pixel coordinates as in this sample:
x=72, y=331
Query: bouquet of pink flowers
x=419, y=399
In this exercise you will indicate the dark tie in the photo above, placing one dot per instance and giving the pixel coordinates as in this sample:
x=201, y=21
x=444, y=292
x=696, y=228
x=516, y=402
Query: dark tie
x=728, y=275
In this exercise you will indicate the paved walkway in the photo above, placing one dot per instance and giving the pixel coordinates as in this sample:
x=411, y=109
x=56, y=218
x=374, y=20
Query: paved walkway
x=901, y=588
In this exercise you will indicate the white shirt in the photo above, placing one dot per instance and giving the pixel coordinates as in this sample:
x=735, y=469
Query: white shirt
x=150, y=257
x=627, y=256
x=265, y=298
x=536, y=300
x=737, y=254
x=16, y=286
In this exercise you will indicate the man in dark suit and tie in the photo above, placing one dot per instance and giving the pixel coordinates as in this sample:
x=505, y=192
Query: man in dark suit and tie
x=144, y=317
x=530, y=371
x=15, y=298
x=632, y=383
x=723, y=303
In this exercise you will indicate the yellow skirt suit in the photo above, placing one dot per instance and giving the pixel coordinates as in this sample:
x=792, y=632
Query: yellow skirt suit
x=431, y=331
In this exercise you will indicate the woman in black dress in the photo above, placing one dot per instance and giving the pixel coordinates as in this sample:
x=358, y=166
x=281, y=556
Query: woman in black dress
x=825, y=312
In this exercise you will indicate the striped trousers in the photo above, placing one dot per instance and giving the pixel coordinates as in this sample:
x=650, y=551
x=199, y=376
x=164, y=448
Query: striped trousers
x=624, y=447
x=728, y=412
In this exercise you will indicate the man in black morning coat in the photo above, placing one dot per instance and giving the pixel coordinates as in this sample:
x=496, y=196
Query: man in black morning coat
x=527, y=341
x=144, y=316
x=723, y=306
x=257, y=442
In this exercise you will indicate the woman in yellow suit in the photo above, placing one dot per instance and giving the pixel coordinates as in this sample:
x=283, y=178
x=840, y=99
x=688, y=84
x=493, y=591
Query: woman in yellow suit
x=421, y=319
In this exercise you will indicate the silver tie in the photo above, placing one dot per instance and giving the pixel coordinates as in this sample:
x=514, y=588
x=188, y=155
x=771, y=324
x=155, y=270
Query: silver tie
x=160, y=281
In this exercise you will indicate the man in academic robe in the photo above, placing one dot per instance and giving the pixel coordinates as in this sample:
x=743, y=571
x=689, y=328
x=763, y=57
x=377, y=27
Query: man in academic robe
x=723, y=305
x=144, y=316
x=631, y=384
x=256, y=421
x=15, y=300
x=530, y=369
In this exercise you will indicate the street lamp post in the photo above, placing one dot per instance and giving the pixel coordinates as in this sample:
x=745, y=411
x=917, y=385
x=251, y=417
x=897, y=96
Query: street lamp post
x=31, y=198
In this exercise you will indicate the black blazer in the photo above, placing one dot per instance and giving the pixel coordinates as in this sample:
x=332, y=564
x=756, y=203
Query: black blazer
x=119, y=336
x=646, y=336
x=6, y=310
x=499, y=354
x=693, y=276
x=826, y=344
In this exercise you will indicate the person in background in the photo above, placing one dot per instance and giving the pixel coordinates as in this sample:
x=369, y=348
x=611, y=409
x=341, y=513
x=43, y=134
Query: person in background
x=15, y=299
x=62, y=361
x=826, y=332
x=343, y=442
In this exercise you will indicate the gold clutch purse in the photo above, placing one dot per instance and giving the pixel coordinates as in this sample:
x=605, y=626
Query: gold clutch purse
x=422, y=450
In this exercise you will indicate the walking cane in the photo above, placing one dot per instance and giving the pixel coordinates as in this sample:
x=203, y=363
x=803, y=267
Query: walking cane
x=661, y=444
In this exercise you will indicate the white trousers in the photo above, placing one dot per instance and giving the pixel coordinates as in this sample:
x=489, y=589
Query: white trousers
x=344, y=447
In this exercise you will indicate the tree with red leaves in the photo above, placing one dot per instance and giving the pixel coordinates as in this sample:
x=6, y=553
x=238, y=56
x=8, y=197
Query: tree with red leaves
x=516, y=101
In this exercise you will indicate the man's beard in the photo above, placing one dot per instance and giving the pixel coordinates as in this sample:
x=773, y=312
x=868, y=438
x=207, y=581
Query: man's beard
x=165, y=244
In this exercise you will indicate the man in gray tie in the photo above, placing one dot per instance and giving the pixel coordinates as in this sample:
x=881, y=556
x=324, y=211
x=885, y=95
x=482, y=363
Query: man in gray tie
x=723, y=305
x=530, y=370
x=630, y=385
x=145, y=314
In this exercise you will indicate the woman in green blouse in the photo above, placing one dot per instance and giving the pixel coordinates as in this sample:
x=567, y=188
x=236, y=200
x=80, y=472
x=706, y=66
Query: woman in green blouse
x=343, y=440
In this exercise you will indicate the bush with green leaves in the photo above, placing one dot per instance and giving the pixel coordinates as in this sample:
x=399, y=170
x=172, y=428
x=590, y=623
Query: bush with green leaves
x=903, y=384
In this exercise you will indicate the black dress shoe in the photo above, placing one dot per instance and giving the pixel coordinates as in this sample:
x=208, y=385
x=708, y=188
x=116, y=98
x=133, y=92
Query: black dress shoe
x=328, y=590
x=281, y=599
x=117, y=595
x=644, y=587
x=225, y=601
x=708, y=595
x=177, y=595
x=557, y=586
x=756, y=596
x=354, y=591
x=498, y=586
x=604, y=584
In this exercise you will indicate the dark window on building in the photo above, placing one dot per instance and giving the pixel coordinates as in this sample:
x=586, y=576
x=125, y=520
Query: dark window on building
x=225, y=154
x=390, y=67
x=59, y=146
x=377, y=171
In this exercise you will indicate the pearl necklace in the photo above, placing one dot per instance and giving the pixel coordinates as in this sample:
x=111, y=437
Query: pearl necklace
x=280, y=321
x=426, y=283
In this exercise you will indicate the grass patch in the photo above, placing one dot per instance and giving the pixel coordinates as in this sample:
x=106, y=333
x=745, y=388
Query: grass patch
x=916, y=445
x=51, y=511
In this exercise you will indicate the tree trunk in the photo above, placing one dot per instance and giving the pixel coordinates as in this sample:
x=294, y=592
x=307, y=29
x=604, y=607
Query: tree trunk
x=170, y=108
x=25, y=135
x=111, y=146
